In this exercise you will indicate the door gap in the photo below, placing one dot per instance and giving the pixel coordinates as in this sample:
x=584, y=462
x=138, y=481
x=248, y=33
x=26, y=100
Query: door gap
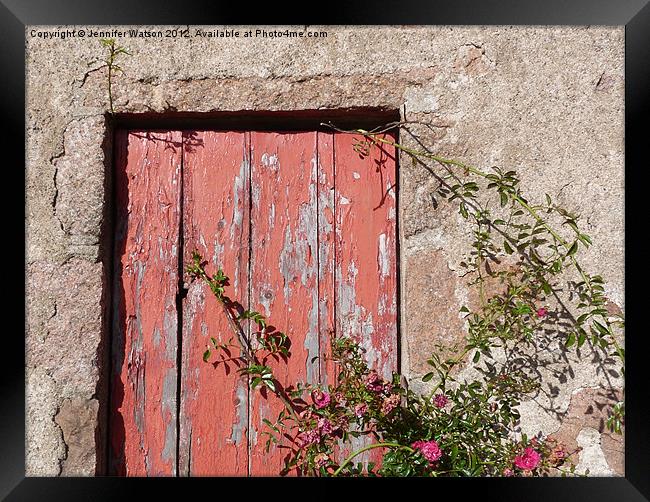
x=248, y=145
x=181, y=293
x=318, y=316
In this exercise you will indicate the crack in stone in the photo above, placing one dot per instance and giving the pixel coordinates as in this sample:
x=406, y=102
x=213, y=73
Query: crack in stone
x=600, y=80
x=54, y=313
x=85, y=77
x=53, y=161
x=56, y=196
x=61, y=461
x=563, y=187
x=483, y=53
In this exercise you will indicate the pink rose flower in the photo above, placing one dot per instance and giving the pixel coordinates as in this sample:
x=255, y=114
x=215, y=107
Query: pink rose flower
x=325, y=426
x=321, y=399
x=529, y=460
x=374, y=382
x=307, y=438
x=390, y=403
x=542, y=312
x=321, y=460
x=341, y=423
x=361, y=409
x=440, y=400
x=558, y=455
x=306, y=414
x=429, y=449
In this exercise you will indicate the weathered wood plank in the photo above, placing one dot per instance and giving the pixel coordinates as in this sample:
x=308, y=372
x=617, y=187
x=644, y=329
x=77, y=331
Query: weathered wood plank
x=326, y=254
x=214, y=398
x=284, y=268
x=366, y=261
x=143, y=393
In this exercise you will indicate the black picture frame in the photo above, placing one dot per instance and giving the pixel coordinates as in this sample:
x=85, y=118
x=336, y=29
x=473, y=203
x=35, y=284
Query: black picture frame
x=634, y=14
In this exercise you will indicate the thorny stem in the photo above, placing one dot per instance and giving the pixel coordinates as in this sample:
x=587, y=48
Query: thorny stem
x=478, y=215
x=574, y=262
x=366, y=448
x=445, y=161
x=245, y=345
x=234, y=325
x=572, y=473
x=512, y=195
x=478, y=172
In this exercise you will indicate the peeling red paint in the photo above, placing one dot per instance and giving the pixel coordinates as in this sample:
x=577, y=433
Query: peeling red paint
x=319, y=221
x=284, y=267
x=326, y=253
x=366, y=261
x=143, y=418
x=214, y=413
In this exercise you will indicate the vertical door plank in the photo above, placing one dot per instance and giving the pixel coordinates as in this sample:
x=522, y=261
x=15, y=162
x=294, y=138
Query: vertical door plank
x=143, y=397
x=214, y=398
x=284, y=268
x=366, y=262
x=326, y=254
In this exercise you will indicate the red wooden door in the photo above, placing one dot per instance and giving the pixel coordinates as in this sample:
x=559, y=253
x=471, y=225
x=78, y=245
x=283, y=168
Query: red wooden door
x=306, y=229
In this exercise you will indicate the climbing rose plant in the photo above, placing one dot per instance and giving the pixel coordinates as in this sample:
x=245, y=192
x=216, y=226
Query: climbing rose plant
x=462, y=427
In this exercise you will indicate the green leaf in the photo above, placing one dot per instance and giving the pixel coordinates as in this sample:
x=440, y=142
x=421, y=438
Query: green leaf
x=603, y=330
x=585, y=238
x=573, y=249
x=206, y=355
x=463, y=210
x=522, y=308
x=268, y=422
x=570, y=340
x=573, y=225
x=504, y=199
x=507, y=247
x=476, y=357
x=427, y=377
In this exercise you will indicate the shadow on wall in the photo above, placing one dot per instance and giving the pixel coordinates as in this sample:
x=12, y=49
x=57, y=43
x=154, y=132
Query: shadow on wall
x=544, y=358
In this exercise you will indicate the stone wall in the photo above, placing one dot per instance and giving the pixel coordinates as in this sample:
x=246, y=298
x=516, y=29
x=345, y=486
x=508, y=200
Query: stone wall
x=547, y=101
